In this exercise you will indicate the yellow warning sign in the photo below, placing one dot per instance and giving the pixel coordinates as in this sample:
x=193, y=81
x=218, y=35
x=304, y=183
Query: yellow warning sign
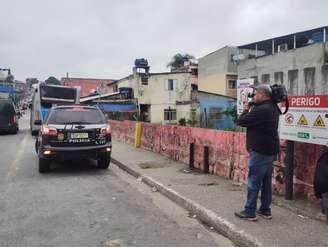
x=319, y=122
x=302, y=120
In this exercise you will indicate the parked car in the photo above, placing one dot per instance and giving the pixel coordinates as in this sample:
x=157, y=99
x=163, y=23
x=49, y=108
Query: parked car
x=8, y=117
x=74, y=132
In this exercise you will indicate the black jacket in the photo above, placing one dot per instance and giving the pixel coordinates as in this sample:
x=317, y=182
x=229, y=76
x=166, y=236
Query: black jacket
x=262, y=128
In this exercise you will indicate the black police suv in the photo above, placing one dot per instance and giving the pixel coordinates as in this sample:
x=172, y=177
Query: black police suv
x=74, y=132
x=8, y=117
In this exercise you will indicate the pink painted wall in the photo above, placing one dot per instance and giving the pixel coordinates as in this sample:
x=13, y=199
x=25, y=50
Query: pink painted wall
x=86, y=84
x=227, y=153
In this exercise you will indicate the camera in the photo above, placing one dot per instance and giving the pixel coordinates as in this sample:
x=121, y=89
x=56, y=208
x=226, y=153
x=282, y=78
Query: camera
x=279, y=93
x=250, y=94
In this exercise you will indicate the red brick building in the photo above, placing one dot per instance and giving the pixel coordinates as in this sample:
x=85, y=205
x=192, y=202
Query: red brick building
x=89, y=85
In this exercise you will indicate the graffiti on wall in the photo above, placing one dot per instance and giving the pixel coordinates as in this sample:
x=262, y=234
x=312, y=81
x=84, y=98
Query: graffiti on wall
x=227, y=154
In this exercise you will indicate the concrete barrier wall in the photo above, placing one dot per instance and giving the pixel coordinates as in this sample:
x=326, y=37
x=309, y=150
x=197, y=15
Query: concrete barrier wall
x=227, y=153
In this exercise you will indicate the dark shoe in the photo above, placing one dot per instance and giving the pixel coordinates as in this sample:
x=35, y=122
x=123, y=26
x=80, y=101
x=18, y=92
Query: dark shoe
x=265, y=215
x=243, y=215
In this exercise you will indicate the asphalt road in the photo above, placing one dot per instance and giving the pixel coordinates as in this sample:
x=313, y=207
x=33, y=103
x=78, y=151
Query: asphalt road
x=79, y=205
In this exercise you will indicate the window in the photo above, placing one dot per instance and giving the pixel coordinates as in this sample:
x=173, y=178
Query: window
x=266, y=78
x=53, y=93
x=6, y=108
x=215, y=113
x=76, y=115
x=293, y=81
x=232, y=84
x=170, y=114
x=115, y=88
x=256, y=81
x=144, y=80
x=309, y=74
x=194, y=72
x=170, y=84
x=279, y=77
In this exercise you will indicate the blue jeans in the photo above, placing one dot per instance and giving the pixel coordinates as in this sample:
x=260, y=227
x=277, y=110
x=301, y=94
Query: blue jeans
x=259, y=177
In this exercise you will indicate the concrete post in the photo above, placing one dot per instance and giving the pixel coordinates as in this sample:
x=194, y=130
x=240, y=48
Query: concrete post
x=191, y=155
x=272, y=46
x=206, y=159
x=324, y=35
x=294, y=41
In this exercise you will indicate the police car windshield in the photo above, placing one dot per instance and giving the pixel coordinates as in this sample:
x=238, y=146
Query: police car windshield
x=78, y=115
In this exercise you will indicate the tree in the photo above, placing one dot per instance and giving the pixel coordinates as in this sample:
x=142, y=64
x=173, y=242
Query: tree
x=52, y=80
x=178, y=60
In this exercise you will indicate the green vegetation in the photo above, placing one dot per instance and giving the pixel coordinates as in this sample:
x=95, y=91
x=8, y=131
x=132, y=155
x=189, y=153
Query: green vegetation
x=178, y=60
x=182, y=122
x=232, y=111
x=52, y=81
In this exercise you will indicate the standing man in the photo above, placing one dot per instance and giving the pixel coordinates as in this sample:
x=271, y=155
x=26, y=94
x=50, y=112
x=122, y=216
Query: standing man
x=262, y=143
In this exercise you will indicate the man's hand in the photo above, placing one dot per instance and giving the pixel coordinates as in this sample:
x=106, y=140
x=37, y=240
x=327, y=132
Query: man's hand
x=246, y=106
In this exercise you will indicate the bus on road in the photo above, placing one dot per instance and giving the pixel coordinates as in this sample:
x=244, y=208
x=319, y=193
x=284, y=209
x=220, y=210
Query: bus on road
x=44, y=96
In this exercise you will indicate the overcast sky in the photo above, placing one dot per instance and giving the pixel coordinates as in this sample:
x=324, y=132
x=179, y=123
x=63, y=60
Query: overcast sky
x=101, y=38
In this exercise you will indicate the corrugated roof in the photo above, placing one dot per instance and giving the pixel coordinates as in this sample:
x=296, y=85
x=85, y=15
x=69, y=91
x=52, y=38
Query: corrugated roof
x=88, y=98
x=283, y=38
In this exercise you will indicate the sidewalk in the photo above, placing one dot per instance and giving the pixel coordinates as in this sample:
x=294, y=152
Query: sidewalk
x=214, y=200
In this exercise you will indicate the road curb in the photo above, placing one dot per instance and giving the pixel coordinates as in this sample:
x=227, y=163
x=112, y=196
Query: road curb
x=205, y=215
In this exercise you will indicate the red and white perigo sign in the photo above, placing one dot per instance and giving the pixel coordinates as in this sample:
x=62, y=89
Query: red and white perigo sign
x=306, y=120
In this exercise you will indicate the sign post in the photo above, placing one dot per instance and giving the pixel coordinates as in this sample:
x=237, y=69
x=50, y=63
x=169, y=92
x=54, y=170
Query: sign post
x=306, y=121
x=289, y=170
